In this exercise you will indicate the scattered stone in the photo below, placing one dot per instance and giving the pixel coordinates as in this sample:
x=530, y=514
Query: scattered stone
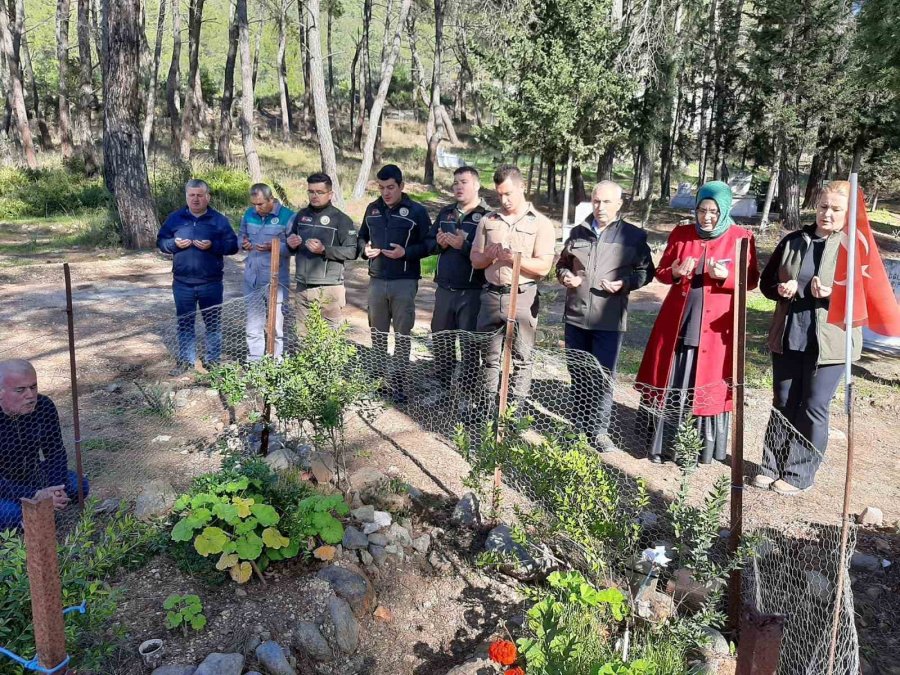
x=308, y=638
x=355, y=501
x=112, y=388
x=156, y=499
x=353, y=587
x=518, y=562
x=384, y=614
x=864, y=561
x=422, y=544
x=325, y=553
x=174, y=670
x=478, y=664
x=282, y=459
x=647, y=519
x=871, y=515
x=717, y=644
x=346, y=627
x=182, y=398
x=212, y=393
x=654, y=607
x=364, y=514
x=240, y=592
x=220, y=427
x=439, y=562
x=819, y=586
x=378, y=539
x=253, y=672
x=874, y=592
x=836, y=434
x=882, y=546
x=399, y=534
x=161, y=438
x=110, y=505
x=466, y=512
x=379, y=554
x=221, y=664
x=366, y=477
x=354, y=539
x=390, y=501
x=414, y=493
x=366, y=558
x=271, y=657
x=321, y=465
x=382, y=519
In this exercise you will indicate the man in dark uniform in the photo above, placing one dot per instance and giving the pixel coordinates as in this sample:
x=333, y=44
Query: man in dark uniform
x=395, y=236
x=516, y=227
x=603, y=260
x=458, y=294
x=323, y=238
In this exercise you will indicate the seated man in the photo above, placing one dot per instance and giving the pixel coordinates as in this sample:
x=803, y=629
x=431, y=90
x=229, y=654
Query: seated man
x=32, y=454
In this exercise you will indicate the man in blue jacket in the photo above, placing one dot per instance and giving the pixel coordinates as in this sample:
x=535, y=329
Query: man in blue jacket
x=32, y=453
x=266, y=220
x=197, y=237
x=395, y=236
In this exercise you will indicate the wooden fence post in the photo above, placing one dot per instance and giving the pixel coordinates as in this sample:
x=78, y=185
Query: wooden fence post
x=271, y=317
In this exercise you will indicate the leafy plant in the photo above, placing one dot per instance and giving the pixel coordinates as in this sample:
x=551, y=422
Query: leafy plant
x=233, y=521
x=183, y=611
x=316, y=516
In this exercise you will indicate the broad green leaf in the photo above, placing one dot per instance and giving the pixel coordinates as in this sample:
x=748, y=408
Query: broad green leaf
x=183, y=530
x=170, y=602
x=193, y=600
x=329, y=528
x=237, y=485
x=226, y=560
x=274, y=539
x=265, y=514
x=249, y=546
x=202, y=515
x=244, y=526
x=174, y=619
x=211, y=540
x=203, y=499
x=227, y=512
x=181, y=503
x=198, y=622
x=242, y=505
x=241, y=572
x=190, y=610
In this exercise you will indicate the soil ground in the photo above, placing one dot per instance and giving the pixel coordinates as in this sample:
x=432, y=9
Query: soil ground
x=123, y=314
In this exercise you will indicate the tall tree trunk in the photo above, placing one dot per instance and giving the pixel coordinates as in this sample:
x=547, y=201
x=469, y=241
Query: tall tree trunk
x=247, y=97
x=63, y=9
x=223, y=152
x=436, y=135
x=540, y=175
x=579, y=193
x=606, y=162
x=387, y=73
x=552, y=192
x=173, y=81
x=29, y=82
x=125, y=168
x=320, y=100
x=814, y=184
x=642, y=187
x=195, y=22
x=365, y=79
x=86, y=148
x=150, y=119
x=330, y=52
x=353, y=89
x=789, y=191
x=281, y=67
x=256, y=45
x=20, y=113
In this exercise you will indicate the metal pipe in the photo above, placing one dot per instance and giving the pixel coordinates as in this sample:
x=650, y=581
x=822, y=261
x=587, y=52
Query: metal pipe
x=73, y=377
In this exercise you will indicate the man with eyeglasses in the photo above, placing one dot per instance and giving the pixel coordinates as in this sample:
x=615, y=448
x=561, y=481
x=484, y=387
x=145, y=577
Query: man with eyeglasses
x=602, y=261
x=266, y=220
x=323, y=238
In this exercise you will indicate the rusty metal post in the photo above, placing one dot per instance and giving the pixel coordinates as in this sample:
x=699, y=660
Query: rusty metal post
x=73, y=376
x=271, y=317
x=739, y=348
x=760, y=647
x=43, y=579
x=506, y=362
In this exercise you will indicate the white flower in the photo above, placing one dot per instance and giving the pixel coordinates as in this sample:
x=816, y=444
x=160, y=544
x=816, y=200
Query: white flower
x=656, y=556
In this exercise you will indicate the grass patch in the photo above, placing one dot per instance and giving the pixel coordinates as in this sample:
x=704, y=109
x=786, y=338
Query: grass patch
x=102, y=444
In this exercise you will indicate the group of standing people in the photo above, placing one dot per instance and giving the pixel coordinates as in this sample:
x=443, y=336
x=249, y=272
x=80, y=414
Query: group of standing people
x=685, y=373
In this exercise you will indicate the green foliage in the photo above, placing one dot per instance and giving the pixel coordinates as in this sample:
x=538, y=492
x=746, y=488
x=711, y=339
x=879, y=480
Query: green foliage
x=317, y=516
x=232, y=521
x=183, y=611
x=229, y=188
x=95, y=549
x=29, y=193
x=584, y=500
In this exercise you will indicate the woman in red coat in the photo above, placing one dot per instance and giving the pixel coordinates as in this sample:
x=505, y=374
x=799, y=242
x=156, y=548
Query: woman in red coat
x=686, y=369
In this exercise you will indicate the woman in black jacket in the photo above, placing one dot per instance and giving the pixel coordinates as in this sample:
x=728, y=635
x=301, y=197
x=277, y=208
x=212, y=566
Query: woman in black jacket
x=807, y=351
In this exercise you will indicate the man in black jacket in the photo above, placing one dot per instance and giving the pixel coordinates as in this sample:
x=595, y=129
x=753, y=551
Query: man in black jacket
x=323, y=238
x=394, y=237
x=603, y=260
x=458, y=295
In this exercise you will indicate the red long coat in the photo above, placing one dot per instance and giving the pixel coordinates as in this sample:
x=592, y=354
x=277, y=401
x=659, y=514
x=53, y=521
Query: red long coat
x=713, y=395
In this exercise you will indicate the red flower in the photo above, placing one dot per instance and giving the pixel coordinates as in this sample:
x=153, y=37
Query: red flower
x=503, y=652
x=514, y=671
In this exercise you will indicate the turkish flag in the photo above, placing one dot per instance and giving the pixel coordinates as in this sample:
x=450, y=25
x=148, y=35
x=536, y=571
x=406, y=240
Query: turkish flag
x=874, y=304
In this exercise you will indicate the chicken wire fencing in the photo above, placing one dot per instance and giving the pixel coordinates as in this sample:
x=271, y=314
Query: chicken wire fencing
x=147, y=421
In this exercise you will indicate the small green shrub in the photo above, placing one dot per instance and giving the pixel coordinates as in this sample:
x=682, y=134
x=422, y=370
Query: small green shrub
x=95, y=549
x=36, y=193
x=183, y=611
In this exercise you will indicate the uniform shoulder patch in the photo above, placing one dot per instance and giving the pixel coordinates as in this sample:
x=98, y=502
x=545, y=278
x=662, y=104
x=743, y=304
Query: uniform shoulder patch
x=325, y=220
x=275, y=220
x=476, y=217
x=404, y=211
x=374, y=212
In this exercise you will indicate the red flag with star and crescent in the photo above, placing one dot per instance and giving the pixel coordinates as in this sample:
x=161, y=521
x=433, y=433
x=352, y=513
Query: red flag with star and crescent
x=874, y=304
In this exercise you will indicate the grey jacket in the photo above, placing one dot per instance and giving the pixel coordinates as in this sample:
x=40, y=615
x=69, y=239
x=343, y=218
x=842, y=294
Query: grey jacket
x=624, y=256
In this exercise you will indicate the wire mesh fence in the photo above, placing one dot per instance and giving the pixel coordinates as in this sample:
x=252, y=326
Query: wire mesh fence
x=144, y=419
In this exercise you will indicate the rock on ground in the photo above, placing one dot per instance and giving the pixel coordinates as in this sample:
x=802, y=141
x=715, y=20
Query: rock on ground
x=353, y=587
x=477, y=664
x=522, y=565
x=309, y=639
x=282, y=459
x=156, y=499
x=174, y=670
x=221, y=664
x=346, y=627
x=354, y=539
x=864, y=561
x=871, y=515
x=272, y=659
x=466, y=512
